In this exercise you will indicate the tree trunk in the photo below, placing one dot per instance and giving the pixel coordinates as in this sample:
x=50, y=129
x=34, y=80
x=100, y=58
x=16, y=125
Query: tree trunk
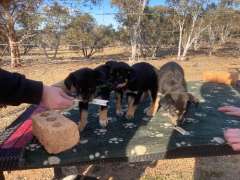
x=134, y=46
x=12, y=40
x=14, y=50
x=56, y=48
x=180, y=40
x=183, y=56
x=136, y=33
x=43, y=46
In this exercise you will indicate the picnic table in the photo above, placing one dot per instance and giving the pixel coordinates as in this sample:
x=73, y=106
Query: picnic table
x=137, y=140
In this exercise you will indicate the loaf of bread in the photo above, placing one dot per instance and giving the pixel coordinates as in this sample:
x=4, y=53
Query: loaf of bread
x=228, y=78
x=54, y=131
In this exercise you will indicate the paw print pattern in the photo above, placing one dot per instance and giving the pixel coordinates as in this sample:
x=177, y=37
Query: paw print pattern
x=100, y=132
x=215, y=91
x=74, y=150
x=98, y=155
x=129, y=125
x=219, y=88
x=166, y=125
x=230, y=100
x=194, y=87
x=138, y=150
x=115, y=140
x=52, y=160
x=83, y=141
x=208, y=95
x=209, y=107
x=32, y=147
x=200, y=114
x=156, y=134
x=191, y=120
x=217, y=140
x=182, y=143
x=233, y=121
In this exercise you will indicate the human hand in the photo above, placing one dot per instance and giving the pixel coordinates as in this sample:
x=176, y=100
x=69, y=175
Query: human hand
x=232, y=136
x=230, y=110
x=55, y=98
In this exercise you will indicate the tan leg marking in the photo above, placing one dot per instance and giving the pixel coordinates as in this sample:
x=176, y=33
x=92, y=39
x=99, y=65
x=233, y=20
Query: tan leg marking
x=174, y=120
x=83, y=120
x=153, y=107
x=144, y=96
x=131, y=108
x=103, y=118
x=118, y=104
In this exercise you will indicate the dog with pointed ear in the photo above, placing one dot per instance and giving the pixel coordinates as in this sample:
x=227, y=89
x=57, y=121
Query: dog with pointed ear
x=176, y=98
x=119, y=74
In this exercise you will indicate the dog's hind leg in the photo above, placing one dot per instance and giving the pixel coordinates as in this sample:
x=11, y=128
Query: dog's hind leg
x=133, y=101
x=119, y=103
x=144, y=96
x=154, y=106
x=103, y=115
x=83, y=110
x=103, y=118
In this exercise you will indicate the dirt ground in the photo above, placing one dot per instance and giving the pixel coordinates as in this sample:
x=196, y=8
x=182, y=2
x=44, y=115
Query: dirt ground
x=227, y=167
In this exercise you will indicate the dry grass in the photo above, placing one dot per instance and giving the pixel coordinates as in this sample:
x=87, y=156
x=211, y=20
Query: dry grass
x=222, y=168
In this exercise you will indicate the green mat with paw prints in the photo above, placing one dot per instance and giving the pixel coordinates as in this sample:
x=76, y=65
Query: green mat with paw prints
x=144, y=139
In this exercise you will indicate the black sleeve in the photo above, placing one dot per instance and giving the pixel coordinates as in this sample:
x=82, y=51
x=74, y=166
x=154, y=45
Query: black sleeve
x=16, y=89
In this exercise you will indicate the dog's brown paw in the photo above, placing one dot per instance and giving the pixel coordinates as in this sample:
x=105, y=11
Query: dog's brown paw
x=82, y=126
x=103, y=118
x=129, y=116
x=83, y=120
x=150, y=113
x=103, y=122
x=119, y=112
x=174, y=120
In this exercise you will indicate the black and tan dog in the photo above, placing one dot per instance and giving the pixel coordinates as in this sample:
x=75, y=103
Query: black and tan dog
x=143, y=81
x=173, y=87
x=137, y=81
x=87, y=84
x=120, y=73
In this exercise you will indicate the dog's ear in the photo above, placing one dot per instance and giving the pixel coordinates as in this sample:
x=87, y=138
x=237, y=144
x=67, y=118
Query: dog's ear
x=110, y=63
x=69, y=81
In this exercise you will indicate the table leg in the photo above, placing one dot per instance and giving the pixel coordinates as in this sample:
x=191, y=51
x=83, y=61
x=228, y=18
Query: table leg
x=58, y=173
x=2, y=175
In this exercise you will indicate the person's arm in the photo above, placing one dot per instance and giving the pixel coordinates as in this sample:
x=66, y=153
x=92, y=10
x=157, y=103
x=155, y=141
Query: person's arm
x=230, y=110
x=16, y=89
x=232, y=135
